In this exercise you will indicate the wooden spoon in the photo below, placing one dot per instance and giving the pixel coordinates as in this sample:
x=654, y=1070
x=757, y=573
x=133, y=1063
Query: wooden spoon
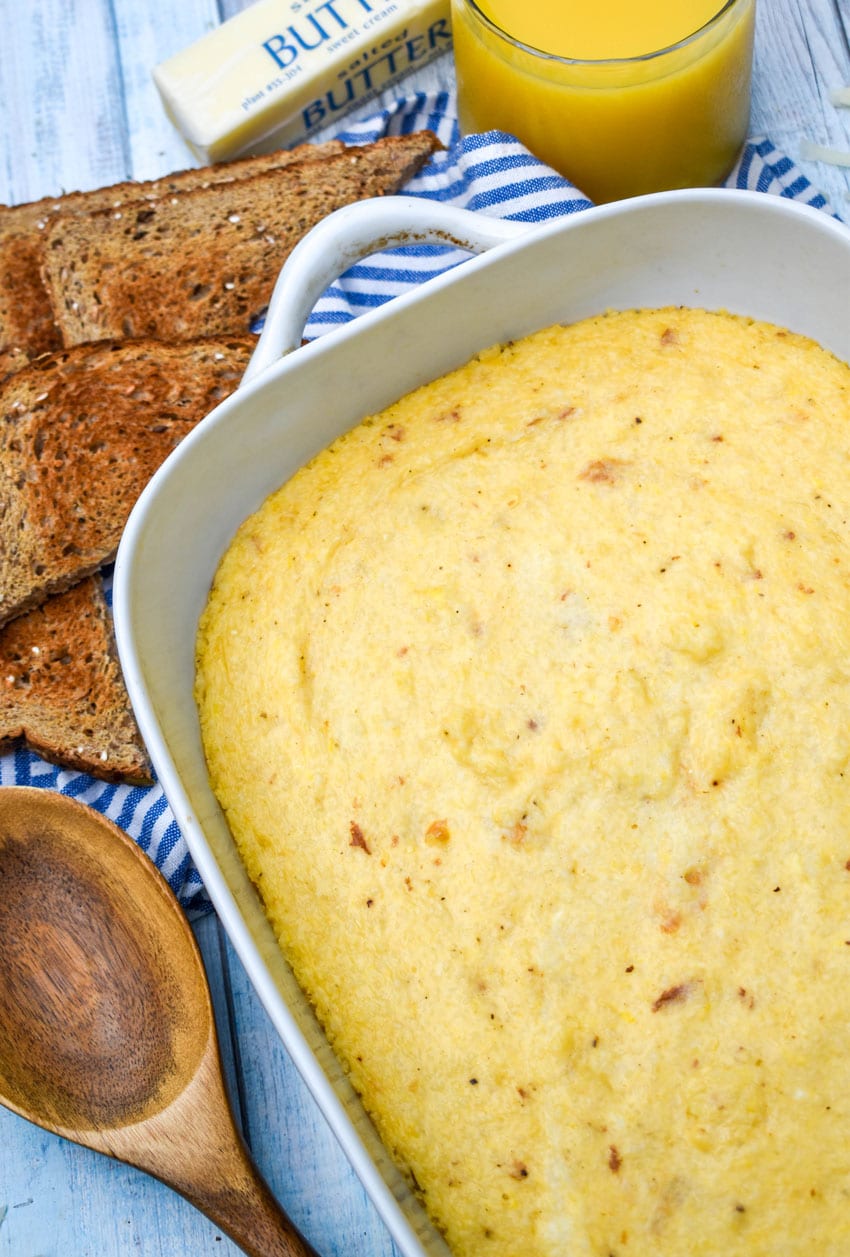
x=107, y=1034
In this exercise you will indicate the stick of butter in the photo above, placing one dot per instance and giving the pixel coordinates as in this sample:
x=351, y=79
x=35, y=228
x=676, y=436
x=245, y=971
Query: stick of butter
x=283, y=69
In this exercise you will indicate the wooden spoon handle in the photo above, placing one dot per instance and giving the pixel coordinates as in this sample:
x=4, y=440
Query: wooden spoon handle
x=194, y=1146
x=250, y=1215
x=224, y=1184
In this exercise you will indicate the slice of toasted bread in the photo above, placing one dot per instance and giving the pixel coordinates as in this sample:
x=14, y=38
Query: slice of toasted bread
x=12, y=360
x=39, y=213
x=62, y=692
x=81, y=433
x=26, y=315
x=206, y=260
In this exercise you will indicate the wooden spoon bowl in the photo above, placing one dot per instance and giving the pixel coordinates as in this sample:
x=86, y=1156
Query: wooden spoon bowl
x=107, y=1034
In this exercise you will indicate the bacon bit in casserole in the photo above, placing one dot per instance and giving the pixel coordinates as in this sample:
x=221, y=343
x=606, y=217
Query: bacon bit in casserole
x=357, y=838
x=516, y=836
x=561, y=415
x=603, y=470
x=673, y=995
x=747, y=997
x=437, y=832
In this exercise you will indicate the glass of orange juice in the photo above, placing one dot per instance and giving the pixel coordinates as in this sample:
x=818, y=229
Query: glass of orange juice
x=620, y=96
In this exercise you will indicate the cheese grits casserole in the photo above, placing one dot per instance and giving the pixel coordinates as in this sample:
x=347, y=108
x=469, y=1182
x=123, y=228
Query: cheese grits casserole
x=528, y=703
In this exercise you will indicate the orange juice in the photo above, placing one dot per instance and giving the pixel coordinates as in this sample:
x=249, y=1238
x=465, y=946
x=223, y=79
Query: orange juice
x=597, y=30
x=621, y=96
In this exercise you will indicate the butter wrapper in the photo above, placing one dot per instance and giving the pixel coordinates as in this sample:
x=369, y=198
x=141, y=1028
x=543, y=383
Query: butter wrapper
x=281, y=70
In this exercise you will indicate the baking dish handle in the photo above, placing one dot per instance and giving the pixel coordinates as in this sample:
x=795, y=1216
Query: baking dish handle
x=352, y=233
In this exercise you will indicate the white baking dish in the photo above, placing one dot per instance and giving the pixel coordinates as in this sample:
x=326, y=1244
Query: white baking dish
x=744, y=252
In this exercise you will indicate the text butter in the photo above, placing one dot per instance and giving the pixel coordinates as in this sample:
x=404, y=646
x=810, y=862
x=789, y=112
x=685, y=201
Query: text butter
x=283, y=69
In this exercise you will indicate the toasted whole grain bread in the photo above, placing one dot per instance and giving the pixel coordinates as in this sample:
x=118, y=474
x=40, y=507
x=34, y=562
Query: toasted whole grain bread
x=26, y=315
x=81, y=433
x=62, y=692
x=39, y=213
x=12, y=360
x=206, y=260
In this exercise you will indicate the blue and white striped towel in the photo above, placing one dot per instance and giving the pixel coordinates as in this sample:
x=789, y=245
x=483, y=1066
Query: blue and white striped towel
x=492, y=173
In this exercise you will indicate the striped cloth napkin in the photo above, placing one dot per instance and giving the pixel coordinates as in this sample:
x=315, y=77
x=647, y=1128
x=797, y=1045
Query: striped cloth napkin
x=491, y=173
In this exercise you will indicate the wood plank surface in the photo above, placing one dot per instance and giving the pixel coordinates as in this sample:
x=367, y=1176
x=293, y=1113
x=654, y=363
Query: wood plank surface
x=80, y=110
x=802, y=52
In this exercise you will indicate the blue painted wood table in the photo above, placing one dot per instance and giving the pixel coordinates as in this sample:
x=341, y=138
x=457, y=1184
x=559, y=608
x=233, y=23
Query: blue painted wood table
x=80, y=110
